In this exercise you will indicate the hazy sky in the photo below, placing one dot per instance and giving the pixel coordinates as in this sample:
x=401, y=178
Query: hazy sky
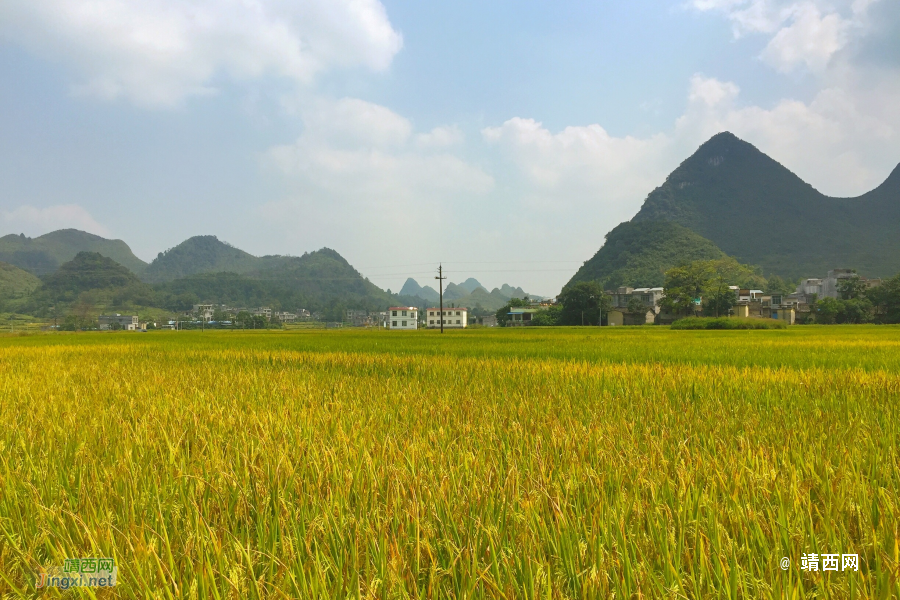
x=504, y=138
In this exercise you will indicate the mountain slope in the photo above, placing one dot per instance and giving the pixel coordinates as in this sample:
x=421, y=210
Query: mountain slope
x=758, y=211
x=205, y=254
x=15, y=282
x=638, y=254
x=318, y=280
x=88, y=271
x=44, y=254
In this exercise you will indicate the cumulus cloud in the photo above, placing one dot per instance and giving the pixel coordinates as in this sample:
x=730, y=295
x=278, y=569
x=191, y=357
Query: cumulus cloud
x=157, y=52
x=808, y=33
x=836, y=142
x=38, y=221
x=359, y=170
x=840, y=141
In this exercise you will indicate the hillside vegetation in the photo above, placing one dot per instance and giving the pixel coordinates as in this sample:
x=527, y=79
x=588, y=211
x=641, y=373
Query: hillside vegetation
x=15, y=282
x=758, y=211
x=638, y=254
x=315, y=281
x=206, y=254
x=44, y=254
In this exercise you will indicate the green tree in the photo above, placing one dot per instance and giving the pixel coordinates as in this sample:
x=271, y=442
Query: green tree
x=852, y=288
x=636, y=305
x=244, y=320
x=885, y=300
x=719, y=297
x=685, y=286
x=777, y=285
x=583, y=304
x=855, y=310
x=548, y=317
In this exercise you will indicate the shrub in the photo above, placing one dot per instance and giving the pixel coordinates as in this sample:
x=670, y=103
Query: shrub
x=727, y=323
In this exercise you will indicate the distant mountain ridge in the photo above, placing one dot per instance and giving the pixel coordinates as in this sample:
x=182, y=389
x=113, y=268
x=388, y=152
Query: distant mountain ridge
x=469, y=293
x=44, y=254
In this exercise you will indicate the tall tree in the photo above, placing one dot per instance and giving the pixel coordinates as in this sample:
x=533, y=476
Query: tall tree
x=685, y=286
x=583, y=304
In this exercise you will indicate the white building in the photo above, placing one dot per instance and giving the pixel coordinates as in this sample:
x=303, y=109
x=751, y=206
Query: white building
x=126, y=322
x=403, y=317
x=454, y=318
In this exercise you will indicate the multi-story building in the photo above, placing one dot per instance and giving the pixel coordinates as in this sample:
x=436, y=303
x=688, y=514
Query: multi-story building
x=456, y=318
x=264, y=311
x=649, y=296
x=117, y=321
x=359, y=318
x=204, y=311
x=403, y=317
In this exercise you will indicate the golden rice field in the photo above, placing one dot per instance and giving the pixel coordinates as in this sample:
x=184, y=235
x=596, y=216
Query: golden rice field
x=569, y=463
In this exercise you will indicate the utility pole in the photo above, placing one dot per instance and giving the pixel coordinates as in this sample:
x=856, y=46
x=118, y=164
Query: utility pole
x=441, y=279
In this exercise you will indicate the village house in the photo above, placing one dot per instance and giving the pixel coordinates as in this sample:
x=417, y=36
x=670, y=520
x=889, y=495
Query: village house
x=519, y=317
x=263, y=311
x=117, y=321
x=203, y=311
x=455, y=318
x=621, y=316
x=403, y=317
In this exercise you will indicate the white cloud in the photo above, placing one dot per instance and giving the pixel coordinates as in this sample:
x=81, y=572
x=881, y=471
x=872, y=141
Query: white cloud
x=806, y=33
x=811, y=39
x=38, y=221
x=157, y=52
x=359, y=173
x=440, y=137
x=839, y=142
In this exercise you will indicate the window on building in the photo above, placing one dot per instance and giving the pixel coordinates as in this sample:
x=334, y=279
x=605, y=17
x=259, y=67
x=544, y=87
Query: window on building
x=457, y=321
x=404, y=314
x=394, y=323
x=394, y=313
x=404, y=323
x=431, y=322
x=457, y=314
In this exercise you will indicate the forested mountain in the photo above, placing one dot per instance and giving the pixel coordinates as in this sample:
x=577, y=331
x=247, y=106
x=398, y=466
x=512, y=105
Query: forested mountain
x=44, y=254
x=729, y=198
x=320, y=280
x=90, y=278
x=15, y=282
x=758, y=211
x=638, y=254
x=206, y=254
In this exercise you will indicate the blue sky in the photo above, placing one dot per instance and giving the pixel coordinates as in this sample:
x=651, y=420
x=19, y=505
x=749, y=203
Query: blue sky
x=502, y=138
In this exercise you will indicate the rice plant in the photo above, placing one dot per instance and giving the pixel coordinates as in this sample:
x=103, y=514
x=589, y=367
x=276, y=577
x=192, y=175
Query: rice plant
x=569, y=463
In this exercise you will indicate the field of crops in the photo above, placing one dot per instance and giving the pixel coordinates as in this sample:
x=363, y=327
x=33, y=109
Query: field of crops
x=531, y=463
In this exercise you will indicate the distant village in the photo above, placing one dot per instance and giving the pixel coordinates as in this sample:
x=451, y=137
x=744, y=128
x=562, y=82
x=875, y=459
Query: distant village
x=627, y=306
